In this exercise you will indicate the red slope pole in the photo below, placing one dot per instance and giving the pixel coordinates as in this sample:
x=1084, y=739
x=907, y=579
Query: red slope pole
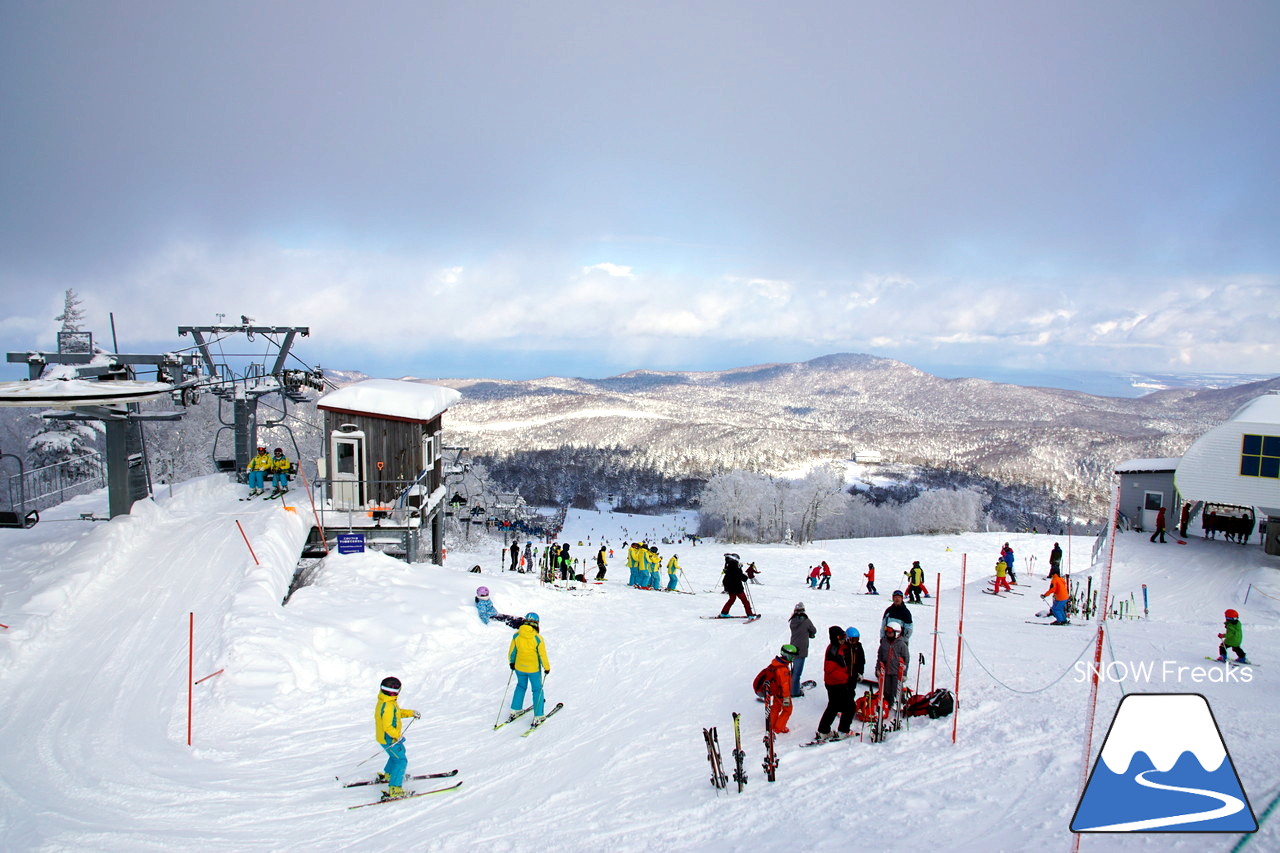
x=246, y=541
x=937, y=605
x=191, y=660
x=964, y=574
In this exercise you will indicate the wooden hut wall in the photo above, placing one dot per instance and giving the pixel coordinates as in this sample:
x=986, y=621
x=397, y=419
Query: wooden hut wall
x=396, y=443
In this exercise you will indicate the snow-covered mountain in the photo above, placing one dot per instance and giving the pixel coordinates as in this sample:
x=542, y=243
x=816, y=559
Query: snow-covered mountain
x=779, y=417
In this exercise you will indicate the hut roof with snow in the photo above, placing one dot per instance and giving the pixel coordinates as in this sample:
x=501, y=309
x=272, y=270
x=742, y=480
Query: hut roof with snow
x=391, y=398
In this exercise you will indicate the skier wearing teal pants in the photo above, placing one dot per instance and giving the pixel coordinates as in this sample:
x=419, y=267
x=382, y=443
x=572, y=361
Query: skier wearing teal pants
x=387, y=715
x=528, y=659
x=673, y=567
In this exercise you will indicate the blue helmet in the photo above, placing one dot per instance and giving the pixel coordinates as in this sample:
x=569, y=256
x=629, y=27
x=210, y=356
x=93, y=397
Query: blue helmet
x=532, y=617
x=852, y=633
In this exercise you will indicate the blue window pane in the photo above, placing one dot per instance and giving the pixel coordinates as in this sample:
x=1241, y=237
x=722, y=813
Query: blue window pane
x=1271, y=445
x=1249, y=466
x=1270, y=467
x=1252, y=445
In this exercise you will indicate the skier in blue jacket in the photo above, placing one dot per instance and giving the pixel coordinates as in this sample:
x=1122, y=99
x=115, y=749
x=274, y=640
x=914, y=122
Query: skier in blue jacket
x=487, y=611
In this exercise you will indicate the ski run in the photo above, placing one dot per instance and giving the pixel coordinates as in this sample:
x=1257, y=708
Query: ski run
x=94, y=661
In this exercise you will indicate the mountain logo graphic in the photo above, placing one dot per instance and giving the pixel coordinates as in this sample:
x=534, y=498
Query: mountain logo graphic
x=1164, y=768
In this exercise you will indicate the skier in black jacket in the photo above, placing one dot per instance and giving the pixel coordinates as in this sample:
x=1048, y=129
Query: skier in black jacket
x=898, y=611
x=733, y=584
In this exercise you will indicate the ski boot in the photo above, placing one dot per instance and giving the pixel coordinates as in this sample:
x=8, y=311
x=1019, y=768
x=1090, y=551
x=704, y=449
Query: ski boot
x=395, y=792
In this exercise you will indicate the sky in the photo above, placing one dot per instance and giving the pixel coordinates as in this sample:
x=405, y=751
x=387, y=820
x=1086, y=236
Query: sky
x=514, y=190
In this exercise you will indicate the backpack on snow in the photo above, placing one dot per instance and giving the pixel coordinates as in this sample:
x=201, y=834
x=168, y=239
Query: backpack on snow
x=864, y=707
x=939, y=703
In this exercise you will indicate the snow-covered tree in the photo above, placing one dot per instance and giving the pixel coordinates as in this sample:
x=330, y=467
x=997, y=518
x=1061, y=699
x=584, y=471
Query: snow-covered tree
x=66, y=442
x=944, y=511
x=72, y=314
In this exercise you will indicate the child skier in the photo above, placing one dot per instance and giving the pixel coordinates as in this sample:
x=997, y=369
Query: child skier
x=673, y=568
x=1002, y=571
x=527, y=656
x=825, y=583
x=773, y=685
x=915, y=582
x=487, y=611
x=870, y=575
x=891, y=661
x=259, y=465
x=1232, y=638
x=387, y=715
x=1006, y=554
x=813, y=577
x=280, y=468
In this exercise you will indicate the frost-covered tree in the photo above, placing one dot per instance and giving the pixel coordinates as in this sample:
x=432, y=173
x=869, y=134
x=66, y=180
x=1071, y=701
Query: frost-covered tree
x=67, y=442
x=817, y=497
x=734, y=501
x=72, y=314
x=944, y=511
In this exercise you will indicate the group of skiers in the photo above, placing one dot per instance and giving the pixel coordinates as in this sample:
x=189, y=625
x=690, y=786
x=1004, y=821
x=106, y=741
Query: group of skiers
x=645, y=564
x=844, y=663
x=277, y=465
x=820, y=576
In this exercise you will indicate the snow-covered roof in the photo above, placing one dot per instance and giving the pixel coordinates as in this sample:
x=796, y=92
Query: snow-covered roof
x=1134, y=466
x=393, y=398
x=68, y=393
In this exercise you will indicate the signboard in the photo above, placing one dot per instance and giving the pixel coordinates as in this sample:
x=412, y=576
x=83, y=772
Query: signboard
x=350, y=543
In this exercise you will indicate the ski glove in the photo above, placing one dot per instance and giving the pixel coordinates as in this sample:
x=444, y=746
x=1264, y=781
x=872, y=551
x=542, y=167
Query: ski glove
x=786, y=703
x=1222, y=636
x=417, y=715
x=513, y=666
x=546, y=672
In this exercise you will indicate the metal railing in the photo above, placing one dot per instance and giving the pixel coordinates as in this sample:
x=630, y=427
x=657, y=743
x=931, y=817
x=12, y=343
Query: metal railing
x=50, y=485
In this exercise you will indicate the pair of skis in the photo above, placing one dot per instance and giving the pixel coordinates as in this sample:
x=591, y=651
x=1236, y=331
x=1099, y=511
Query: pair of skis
x=719, y=780
x=518, y=714
x=409, y=795
x=745, y=619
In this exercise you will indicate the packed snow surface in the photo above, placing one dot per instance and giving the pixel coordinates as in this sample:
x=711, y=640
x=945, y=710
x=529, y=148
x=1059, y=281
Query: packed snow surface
x=94, y=662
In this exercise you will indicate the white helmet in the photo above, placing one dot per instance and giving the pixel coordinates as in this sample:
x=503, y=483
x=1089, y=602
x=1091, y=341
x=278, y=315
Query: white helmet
x=894, y=625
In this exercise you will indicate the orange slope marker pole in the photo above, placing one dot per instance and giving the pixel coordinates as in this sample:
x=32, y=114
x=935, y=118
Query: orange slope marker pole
x=964, y=574
x=246, y=542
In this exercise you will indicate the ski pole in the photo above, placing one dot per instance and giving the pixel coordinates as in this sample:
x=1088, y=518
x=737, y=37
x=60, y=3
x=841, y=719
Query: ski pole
x=503, y=704
x=918, y=668
x=402, y=734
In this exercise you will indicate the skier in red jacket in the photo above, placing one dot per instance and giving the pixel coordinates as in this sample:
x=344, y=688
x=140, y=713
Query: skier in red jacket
x=773, y=685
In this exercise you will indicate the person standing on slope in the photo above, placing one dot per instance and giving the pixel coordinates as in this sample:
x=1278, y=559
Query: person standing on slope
x=802, y=631
x=915, y=582
x=601, y=562
x=515, y=556
x=892, y=661
x=898, y=611
x=870, y=575
x=1232, y=637
x=673, y=570
x=733, y=585
x=1002, y=580
x=773, y=685
x=1055, y=559
x=387, y=715
x=1058, y=589
x=842, y=668
x=527, y=656
x=825, y=583
x=1006, y=554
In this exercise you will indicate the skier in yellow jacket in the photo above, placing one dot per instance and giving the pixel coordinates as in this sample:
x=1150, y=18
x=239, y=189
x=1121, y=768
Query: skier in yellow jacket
x=259, y=465
x=673, y=567
x=387, y=715
x=527, y=656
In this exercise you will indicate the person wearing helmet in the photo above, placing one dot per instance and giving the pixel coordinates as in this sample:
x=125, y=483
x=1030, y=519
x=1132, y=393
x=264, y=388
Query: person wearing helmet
x=487, y=610
x=842, y=669
x=898, y=610
x=527, y=656
x=915, y=582
x=1232, y=638
x=280, y=470
x=387, y=715
x=870, y=575
x=673, y=569
x=773, y=685
x=892, y=660
x=1058, y=589
x=602, y=561
x=733, y=586
x=259, y=465
x=802, y=631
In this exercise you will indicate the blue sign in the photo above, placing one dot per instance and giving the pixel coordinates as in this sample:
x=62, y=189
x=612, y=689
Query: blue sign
x=350, y=543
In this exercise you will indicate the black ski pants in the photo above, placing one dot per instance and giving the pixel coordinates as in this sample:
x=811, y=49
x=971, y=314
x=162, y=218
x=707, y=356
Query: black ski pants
x=840, y=699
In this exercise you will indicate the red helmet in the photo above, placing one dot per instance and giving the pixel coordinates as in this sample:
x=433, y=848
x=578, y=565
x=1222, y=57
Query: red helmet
x=1231, y=614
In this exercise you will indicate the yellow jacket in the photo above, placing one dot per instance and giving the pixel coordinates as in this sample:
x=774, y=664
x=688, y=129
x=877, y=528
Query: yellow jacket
x=281, y=463
x=672, y=566
x=387, y=715
x=527, y=651
x=261, y=462
x=1001, y=569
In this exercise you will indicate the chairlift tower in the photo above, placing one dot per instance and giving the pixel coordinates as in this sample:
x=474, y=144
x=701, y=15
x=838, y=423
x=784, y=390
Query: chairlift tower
x=243, y=390
x=108, y=392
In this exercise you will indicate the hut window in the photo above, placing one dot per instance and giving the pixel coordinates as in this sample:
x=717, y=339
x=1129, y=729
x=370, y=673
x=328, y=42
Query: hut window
x=1260, y=456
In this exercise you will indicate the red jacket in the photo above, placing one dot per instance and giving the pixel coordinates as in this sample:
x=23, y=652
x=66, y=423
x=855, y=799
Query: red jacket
x=843, y=664
x=775, y=680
